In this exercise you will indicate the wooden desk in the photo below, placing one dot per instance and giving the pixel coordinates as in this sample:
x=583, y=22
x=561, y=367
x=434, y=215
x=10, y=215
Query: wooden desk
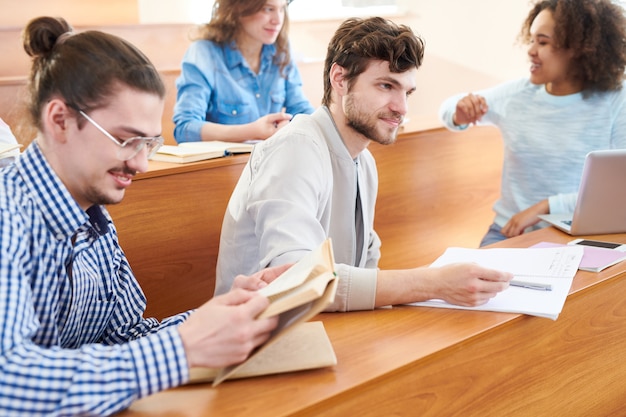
x=436, y=190
x=410, y=361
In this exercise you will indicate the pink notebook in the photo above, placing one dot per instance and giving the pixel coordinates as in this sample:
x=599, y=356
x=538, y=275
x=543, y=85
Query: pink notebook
x=594, y=259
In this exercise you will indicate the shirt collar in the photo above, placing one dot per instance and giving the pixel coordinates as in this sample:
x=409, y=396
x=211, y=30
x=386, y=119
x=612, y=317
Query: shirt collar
x=234, y=58
x=333, y=138
x=58, y=208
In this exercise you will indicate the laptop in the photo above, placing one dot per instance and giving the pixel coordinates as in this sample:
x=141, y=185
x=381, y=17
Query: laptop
x=601, y=204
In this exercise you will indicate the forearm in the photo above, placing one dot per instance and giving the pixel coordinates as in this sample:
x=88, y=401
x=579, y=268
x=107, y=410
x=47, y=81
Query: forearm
x=405, y=286
x=228, y=133
x=466, y=284
x=368, y=288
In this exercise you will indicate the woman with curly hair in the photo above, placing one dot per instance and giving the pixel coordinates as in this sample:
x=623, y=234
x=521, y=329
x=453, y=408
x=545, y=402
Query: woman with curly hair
x=238, y=80
x=573, y=102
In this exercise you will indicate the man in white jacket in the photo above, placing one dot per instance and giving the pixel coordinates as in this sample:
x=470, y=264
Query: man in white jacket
x=315, y=179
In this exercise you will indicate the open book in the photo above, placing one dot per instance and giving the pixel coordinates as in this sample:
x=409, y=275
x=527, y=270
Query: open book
x=199, y=151
x=552, y=267
x=306, y=346
x=300, y=293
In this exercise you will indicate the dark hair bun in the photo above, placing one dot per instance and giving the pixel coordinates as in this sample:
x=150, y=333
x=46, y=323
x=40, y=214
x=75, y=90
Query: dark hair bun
x=42, y=33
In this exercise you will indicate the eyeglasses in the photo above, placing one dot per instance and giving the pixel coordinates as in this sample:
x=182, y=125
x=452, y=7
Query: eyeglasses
x=129, y=148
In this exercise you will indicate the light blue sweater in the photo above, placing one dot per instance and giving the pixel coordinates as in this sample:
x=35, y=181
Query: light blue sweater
x=546, y=139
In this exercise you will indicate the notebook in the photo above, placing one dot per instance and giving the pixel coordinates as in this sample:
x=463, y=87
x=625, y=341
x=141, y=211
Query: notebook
x=601, y=203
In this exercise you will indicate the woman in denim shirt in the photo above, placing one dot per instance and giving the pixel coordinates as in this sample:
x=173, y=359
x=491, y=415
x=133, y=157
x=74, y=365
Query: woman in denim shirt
x=237, y=80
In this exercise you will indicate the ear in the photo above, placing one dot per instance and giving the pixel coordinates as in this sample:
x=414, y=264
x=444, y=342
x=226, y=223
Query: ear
x=55, y=118
x=338, y=80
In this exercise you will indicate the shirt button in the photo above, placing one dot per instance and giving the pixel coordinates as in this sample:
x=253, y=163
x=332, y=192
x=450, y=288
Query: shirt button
x=258, y=95
x=234, y=112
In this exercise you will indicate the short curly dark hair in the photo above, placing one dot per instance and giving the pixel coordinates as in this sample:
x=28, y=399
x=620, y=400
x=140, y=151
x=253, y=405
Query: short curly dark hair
x=596, y=31
x=357, y=42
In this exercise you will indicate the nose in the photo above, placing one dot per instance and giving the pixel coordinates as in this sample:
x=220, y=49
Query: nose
x=532, y=50
x=277, y=17
x=139, y=162
x=400, y=104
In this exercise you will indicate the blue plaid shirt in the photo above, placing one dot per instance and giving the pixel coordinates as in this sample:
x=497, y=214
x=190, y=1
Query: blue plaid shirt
x=72, y=337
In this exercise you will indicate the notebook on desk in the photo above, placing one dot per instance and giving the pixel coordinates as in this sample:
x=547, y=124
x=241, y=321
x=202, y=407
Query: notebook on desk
x=601, y=204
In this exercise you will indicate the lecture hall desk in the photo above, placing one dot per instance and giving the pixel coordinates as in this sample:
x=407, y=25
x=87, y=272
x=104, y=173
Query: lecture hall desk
x=404, y=360
x=417, y=361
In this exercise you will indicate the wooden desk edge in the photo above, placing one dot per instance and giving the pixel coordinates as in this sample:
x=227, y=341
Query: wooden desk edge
x=160, y=169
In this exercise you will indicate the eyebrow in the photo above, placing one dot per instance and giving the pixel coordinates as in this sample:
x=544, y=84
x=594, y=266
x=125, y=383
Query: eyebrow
x=136, y=132
x=396, y=83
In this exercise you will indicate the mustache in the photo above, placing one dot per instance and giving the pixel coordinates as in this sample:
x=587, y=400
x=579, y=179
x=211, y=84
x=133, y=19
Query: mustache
x=393, y=116
x=125, y=170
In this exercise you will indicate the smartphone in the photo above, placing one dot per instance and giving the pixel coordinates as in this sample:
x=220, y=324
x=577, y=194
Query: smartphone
x=600, y=244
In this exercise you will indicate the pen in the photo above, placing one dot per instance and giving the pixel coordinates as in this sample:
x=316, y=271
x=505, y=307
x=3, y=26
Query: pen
x=531, y=285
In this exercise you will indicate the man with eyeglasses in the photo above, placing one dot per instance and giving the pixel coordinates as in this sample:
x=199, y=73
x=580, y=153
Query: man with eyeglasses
x=73, y=339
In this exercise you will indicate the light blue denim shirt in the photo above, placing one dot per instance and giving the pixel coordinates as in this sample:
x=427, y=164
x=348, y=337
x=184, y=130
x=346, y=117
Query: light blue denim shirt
x=217, y=85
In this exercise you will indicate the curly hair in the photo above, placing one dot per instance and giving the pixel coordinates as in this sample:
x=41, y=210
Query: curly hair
x=224, y=26
x=357, y=42
x=596, y=31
